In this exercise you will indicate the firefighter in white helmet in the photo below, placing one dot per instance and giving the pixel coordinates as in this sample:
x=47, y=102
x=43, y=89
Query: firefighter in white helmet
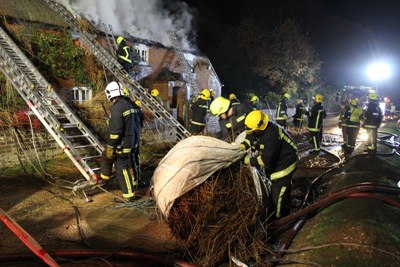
x=122, y=125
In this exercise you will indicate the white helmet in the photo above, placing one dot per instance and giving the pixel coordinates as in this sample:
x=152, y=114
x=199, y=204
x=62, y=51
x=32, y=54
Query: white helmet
x=114, y=89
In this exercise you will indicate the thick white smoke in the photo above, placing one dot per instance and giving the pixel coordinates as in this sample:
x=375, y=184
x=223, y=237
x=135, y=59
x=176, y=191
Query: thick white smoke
x=145, y=19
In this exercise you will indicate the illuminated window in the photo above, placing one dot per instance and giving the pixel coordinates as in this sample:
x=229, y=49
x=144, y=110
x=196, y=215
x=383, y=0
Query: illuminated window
x=143, y=53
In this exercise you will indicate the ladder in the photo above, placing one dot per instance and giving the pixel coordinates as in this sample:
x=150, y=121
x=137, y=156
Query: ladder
x=185, y=65
x=172, y=127
x=112, y=44
x=74, y=138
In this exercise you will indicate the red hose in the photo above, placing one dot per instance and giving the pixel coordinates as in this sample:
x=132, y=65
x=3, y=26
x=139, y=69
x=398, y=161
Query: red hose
x=28, y=240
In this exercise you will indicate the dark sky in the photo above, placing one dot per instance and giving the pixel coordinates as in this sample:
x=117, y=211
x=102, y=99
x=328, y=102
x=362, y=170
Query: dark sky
x=348, y=61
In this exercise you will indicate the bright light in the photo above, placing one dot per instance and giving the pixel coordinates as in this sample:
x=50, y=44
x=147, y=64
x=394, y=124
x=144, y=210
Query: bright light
x=379, y=71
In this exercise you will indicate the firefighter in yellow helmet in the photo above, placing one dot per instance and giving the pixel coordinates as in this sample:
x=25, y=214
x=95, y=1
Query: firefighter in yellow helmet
x=315, y=123
x=124, y=54
x=344, y=108
x=372, y=119
x=156, y=94
x=277, y=156
x=353, y=117
x=231, y=118
x=254, y=102
x=233, y=99
x=281, y=111
x=199, y=113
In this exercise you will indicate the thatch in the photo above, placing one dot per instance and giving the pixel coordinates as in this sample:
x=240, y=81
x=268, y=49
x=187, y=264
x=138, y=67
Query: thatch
x=222, y=217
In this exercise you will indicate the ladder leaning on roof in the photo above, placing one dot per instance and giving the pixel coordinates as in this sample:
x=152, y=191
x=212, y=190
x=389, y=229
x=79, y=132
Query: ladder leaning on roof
x=110, y=62
x=75, y=139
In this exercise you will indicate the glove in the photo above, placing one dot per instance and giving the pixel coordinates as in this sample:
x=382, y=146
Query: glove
x=110, y=152
x=246, y=160
x=242, y=147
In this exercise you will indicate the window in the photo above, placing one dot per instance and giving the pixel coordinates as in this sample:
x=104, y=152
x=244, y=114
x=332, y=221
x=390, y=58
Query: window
x=81, y=94
x=143, y=52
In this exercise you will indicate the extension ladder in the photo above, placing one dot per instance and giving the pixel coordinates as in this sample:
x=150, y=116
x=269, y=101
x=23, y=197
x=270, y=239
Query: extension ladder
x=75, y=139
x=172, y=126
x=185, y=65
x=112, y=44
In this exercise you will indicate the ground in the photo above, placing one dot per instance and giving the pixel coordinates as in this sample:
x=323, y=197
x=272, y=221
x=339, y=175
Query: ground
x=353, y=231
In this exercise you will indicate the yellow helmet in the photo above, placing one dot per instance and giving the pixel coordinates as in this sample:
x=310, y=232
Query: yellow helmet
x=137, y=102
x=126, y=92
x=318, y=98
x=154, y=92
x=354, y=102
x=219, y=105
x=254, y=98
x=120, y=39
x=286, y=95
x=373, y=96
x=232, y=96
x=205, y=94
x=256, y=120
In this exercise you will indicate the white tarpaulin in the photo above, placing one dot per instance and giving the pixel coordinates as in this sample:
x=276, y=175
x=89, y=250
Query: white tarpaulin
x=188, y=164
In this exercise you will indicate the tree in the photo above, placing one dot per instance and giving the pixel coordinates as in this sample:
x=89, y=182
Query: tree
x=287, y=59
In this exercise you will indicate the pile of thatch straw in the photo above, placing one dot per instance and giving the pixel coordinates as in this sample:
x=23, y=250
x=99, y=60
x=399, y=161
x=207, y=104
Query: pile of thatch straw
x=221, y=218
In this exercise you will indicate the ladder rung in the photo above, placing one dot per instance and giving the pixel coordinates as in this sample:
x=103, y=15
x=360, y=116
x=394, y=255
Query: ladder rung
x=69, y=125
x=91, y=157
x=75, y=136
x=83, y=146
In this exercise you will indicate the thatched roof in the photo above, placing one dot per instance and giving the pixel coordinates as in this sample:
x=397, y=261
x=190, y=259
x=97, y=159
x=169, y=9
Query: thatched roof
x=30, y=10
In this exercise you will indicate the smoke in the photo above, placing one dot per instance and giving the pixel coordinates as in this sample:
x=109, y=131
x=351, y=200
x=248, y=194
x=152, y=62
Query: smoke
x=144, y=19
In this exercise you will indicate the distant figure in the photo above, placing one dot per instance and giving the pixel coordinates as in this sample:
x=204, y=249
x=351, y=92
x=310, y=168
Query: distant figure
x=281, y=111
x=353, y=117
x=392, y=110
x=124, y=54
x=342, y=124
x=154, y=93
x=298, y=116
x=372, y=119
x=254, y=102
x=234, y=100
x=199, y=113
x=315, y=123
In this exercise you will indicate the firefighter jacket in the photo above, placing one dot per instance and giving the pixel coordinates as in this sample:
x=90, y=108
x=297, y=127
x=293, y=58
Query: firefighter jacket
x=199, y=112
x=343, y=116
x=315, y=117
x=281, y=110
x=124, y=125
x=234, y=124
x=235, y=102
x=277, y=151
x=372, y=115
x=124, y=52
x=299, y=111
x=353, y=117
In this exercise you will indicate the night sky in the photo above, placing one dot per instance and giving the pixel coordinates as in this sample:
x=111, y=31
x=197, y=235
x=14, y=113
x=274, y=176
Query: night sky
x=346, y=53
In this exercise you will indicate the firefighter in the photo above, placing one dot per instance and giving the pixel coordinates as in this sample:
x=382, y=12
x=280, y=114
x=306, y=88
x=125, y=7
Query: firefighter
x=281, y=111
x=254, y=102
x=353, y=117
x=124, y=54
x=315, y=123
x=277, y=155
x=199, y=113
x=136, y=152
x=231, y=118
x=156, y=94
x=342, y=124
x=234, y=100
x=372, y=119
x=121, y=140
x=298, y=115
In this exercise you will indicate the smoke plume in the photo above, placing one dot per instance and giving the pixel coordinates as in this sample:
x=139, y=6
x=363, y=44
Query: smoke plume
x=145, y=19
